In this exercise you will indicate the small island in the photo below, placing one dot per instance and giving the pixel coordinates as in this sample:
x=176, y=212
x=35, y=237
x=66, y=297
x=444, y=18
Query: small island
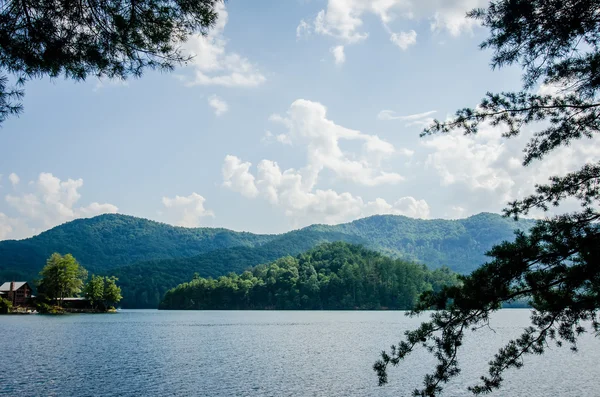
x=62, y=288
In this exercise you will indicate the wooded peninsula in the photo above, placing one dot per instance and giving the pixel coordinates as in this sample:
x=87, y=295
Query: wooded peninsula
x=338, y=276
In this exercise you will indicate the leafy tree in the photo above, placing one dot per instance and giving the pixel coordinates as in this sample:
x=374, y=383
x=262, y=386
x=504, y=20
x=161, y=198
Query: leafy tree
x=76, y=39
x=112, y=292
x=61, y=277
x=102, y=291
x=94, y=290
x=555, y=266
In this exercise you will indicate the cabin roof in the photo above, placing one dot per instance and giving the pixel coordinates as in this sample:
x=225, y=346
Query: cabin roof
x=6, y=286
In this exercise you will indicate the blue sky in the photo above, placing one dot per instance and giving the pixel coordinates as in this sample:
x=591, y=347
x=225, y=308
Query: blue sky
x=292, y=112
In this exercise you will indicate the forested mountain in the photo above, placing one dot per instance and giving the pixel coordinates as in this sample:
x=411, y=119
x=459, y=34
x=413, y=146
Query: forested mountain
x=112, y=240
x=332, y=276
x=151, y=257
x=459, y=244
x=144, y=284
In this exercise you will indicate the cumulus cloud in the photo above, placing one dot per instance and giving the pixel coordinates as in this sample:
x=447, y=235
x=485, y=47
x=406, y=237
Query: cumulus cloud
x=214, y=65
x=343, y=19
x=237, y=177
x=187, y=211
x=14, y=228
x=308, y=126
x=450, y=15
x=5, y=226
x=296, y=191
x=14, y=179
x=219, y=106
x=338, y=54
x=485, y=171
x=404, y=39
x=51, y=203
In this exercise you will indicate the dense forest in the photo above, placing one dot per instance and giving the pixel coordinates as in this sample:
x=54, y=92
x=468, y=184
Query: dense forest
x=332, y=276
x=145, y=284
x=150, y=257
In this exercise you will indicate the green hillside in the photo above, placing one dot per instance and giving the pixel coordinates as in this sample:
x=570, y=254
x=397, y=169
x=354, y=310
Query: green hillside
x=336, y=276
x=111, y=240
x=459, y=244
x=150, y=257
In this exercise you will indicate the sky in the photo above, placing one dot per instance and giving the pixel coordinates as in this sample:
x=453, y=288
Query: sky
x=291, y=113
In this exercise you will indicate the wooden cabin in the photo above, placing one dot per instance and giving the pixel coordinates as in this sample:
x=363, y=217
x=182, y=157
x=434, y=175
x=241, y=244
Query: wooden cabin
x=16, y=292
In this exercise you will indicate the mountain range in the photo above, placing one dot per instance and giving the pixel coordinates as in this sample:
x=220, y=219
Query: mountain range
x=150, y=257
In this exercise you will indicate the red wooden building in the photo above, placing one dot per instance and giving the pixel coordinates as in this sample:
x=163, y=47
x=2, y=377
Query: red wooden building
x=17, y=292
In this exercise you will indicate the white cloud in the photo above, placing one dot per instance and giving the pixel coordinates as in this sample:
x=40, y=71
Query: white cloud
x=303, y=29
x=237, y=177
x=187, y=210
x=214, y=65
x=307, y=125
x=52, y=202
x=296, y=195
x=407, y=206
x=392, y=115
x=14, y=179
x=450, y=16
x=219, y=106
x=338, y=54
x=6, y=226
x=484, y=171
x=404, y=39
x=295, y=191
x=279, y=138
x=343, y=19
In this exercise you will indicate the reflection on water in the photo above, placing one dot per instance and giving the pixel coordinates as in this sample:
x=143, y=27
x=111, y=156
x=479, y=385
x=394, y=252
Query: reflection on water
x=145, y=352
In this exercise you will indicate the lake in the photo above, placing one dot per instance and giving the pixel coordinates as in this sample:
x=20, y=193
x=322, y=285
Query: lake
x=269, y=353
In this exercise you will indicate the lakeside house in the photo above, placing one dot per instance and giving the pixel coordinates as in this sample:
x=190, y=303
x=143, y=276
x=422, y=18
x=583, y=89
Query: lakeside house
x=77, y=303
x=16, y=292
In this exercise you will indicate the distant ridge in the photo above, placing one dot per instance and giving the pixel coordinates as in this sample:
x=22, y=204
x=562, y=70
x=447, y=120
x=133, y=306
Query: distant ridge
x=150, y=257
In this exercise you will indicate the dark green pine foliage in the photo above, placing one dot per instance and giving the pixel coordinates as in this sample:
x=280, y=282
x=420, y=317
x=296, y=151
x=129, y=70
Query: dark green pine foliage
x=332, y=276
x=557, y=265
x=81, y=38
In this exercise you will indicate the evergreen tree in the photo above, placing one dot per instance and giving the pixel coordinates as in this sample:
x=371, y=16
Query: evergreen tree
x=557, y=265
x=77, y=39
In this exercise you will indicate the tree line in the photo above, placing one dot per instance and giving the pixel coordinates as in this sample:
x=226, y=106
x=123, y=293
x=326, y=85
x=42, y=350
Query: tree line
x=336, y=275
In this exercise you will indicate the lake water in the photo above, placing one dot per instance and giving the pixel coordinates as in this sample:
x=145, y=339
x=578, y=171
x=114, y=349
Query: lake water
x=168, y=353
